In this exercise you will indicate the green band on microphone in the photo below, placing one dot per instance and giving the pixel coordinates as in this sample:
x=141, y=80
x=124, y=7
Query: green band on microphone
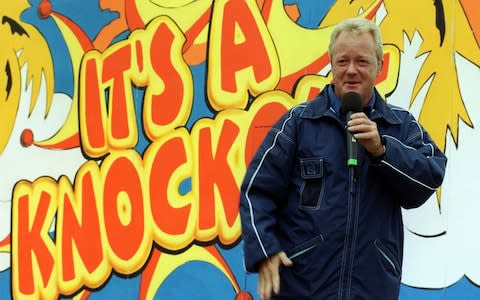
x=352, y=162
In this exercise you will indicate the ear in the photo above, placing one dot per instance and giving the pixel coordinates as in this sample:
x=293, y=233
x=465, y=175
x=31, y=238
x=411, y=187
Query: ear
x=380, y=66
x=332, y=81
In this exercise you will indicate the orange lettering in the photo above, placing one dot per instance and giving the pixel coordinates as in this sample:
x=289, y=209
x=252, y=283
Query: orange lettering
x=93, y=112
x=242, y=56
x=78, y=228
x=170, y=212
x=214, y=172
x=123, y=208
x=115, y=73
x=32, y=247
x=168, y=97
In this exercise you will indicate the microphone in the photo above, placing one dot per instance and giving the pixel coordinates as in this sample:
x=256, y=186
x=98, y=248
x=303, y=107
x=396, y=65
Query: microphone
x=351, y=103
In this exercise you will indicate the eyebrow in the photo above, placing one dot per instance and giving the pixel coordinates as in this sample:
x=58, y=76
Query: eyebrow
x=15, y=28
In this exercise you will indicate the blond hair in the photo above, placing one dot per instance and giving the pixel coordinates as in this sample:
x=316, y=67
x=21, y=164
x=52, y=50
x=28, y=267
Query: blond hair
x=357, y=26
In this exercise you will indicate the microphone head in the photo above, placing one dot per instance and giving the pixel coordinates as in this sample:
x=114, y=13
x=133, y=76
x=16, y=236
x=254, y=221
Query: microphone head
x=351, y=101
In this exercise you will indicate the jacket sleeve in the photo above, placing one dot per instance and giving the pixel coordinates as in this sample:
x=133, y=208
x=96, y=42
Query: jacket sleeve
x=264, y=189
x=413, y=167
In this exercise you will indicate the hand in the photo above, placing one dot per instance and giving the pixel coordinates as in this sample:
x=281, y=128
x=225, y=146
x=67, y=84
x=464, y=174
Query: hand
x=269, y=276
x=366, y=133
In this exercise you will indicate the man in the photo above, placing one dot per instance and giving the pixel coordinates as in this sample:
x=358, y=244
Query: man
x=311, y=229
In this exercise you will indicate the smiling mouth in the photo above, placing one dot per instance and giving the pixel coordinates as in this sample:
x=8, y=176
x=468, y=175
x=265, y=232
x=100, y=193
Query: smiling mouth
x=352, y=83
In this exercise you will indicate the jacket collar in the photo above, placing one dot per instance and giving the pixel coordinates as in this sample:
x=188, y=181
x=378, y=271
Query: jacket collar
x=320, y=107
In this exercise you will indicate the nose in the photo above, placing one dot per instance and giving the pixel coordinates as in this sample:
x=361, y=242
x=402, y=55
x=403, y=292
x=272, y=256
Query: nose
x=351, y=68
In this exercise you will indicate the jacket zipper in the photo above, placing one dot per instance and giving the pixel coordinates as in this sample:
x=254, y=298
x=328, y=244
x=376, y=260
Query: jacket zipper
x=349, y=246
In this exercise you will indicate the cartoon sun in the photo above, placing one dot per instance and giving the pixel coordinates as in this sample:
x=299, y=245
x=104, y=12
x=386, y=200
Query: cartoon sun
x=30, y=111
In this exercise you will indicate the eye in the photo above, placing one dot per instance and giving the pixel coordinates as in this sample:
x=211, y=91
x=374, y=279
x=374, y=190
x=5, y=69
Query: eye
x=8, y=72
x=14, y=26
x=341, y=62
x=363, y=62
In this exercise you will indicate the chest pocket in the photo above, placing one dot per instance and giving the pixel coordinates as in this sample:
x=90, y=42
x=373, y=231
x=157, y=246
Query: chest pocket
x=312, y=189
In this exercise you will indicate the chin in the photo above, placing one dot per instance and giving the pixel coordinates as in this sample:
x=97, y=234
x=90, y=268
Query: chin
x=358, y=91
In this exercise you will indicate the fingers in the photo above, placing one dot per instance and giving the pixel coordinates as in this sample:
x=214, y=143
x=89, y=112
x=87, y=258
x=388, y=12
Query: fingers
x=264, y=283
x=363, y=128
x=366, y=133
x=269, y=275
x=285, y=260
x=266, y=278
x=275, y=276
x=359, y=122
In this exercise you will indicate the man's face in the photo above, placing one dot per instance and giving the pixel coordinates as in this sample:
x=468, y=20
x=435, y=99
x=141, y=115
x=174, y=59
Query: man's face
x=354, y=65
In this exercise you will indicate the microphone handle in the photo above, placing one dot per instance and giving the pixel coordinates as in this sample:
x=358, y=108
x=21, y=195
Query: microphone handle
x=352, y=147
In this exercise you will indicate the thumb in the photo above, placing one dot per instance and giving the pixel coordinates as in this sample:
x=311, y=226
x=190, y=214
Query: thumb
x=284, y=259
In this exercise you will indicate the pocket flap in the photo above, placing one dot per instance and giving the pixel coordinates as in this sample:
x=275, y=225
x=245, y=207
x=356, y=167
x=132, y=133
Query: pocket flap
x=311, y=168
x=304, y=247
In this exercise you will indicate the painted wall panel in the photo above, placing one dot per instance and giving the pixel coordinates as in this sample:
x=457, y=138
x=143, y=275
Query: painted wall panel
x=127, y=126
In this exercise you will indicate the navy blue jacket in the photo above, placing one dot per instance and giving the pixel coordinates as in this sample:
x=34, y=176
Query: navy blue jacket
x=343, y=232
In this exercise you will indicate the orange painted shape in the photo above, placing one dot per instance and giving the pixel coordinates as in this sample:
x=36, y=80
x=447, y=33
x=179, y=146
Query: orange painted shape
x=192, y=33
x=84, y=232
x=30, y=243
x=382, y=76
x=169, y=157
x=261, y=123
x=472, y=11
x=267, y=9
x=288, y=82
x=5, y=242
x=139, y=54
x=124, y=239
x=95, y=131
x=292, y=11
x=166, y=106
x=134, y=20
x=236, y=55
x=82, y=37
x=114, y=67
x=215, y=171
x=372, y=13
x=44, y=9
x=196, y=54
x=68, y=143
x=148, y=272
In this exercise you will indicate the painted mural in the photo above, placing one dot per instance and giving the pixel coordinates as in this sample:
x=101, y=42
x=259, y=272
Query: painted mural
x=127, y=126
